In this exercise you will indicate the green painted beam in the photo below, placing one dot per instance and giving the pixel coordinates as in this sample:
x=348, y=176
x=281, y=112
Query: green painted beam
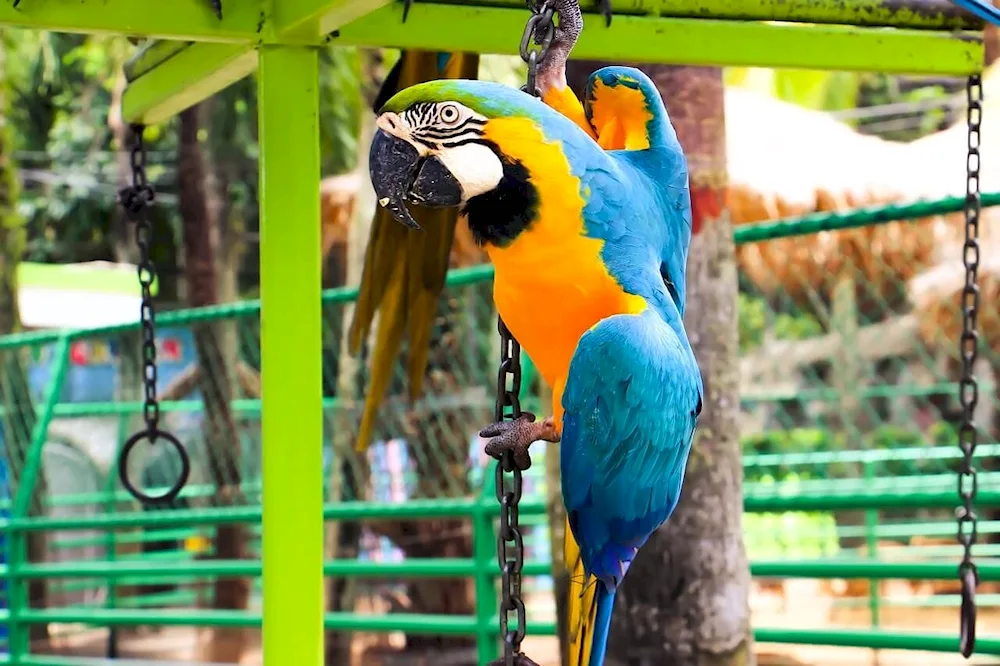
x=195, y=73
x=312, y=19
x=180, y=77
x=926, y=14
x=150, y=54
x=194, y=20
x=186, y=20
x=680, y=40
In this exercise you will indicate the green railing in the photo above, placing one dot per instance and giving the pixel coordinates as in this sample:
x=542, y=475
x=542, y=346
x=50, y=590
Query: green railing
x=849, y=480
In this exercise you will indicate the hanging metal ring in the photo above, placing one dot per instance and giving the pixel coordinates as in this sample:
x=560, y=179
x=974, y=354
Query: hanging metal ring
x=152, y=436
x=967, y=632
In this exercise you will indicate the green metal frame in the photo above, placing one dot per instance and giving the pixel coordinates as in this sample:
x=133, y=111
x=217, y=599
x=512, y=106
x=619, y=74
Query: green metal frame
x=275, y=37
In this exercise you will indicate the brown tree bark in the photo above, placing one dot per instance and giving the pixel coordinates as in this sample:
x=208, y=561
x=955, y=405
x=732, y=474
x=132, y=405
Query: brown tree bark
x=200, y=240
x=685, y=601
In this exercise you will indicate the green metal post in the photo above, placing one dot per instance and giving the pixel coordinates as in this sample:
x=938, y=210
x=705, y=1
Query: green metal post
x=33, y=459
x=18, y=636
x=292, y=411
x=484, y=549
x=871, y=539
x=17, y=588
x=110, y=543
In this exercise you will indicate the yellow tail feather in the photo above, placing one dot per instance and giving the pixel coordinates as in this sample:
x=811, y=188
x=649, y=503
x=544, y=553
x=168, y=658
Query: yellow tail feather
x=581, y=606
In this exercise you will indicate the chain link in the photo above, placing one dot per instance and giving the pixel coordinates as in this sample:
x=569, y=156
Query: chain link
x=968, y=388
x=136, y=199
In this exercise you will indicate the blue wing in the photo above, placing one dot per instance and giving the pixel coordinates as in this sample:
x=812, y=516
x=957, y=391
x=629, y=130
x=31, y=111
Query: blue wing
x=631, y=401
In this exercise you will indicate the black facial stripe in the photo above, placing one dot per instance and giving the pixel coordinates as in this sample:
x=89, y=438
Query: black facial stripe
x=464, y=142
x=429, y=144
x=449, y=136
x=447, y=132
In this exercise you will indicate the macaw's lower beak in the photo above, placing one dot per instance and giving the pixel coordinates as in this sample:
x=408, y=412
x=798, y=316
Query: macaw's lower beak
x=400, y=175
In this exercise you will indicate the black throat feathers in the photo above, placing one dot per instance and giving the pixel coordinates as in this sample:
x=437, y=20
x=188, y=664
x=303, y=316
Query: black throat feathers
x=497, y=217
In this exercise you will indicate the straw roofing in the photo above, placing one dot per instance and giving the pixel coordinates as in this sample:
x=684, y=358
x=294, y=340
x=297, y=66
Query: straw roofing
x=786, y=161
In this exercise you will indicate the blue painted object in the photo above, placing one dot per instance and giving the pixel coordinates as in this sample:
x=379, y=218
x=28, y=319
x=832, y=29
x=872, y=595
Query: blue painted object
x=92, y=375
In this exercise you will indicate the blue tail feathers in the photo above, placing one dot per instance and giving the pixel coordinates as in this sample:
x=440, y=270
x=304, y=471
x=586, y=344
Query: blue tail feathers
x=605, y=600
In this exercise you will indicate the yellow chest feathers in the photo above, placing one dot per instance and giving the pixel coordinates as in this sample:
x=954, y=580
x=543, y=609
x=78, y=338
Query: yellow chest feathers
x=551, y=285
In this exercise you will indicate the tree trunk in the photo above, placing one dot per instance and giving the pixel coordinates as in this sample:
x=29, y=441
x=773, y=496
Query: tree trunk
x=685, y=601
x=222, y=446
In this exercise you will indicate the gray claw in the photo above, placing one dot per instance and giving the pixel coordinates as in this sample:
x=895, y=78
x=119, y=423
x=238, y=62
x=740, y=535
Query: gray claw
x=516, y=436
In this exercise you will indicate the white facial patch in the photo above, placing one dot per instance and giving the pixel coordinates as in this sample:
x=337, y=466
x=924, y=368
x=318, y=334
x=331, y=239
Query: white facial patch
x=476, y=167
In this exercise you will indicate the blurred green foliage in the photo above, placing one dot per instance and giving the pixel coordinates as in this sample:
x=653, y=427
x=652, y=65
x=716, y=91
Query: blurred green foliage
x=755, y=317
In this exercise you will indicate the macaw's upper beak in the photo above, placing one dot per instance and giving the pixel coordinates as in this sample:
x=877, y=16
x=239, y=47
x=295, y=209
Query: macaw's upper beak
x=400, y=175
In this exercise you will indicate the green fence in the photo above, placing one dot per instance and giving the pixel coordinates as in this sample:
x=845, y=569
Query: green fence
x=850, y=458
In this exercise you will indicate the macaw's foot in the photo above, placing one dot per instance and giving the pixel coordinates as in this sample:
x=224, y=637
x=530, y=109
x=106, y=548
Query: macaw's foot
x=517, y=435
x=519, y=660
x=217, y=6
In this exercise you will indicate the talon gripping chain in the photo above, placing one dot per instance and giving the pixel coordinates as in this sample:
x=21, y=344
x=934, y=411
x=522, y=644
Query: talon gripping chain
x=968, y=388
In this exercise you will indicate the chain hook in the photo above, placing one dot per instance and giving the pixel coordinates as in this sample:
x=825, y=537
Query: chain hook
x=135, y=199
x=968, y=387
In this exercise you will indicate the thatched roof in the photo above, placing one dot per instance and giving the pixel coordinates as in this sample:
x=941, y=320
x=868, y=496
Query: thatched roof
x=786, y=161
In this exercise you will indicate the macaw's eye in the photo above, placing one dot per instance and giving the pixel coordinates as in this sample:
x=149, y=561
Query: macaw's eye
x=449, y=114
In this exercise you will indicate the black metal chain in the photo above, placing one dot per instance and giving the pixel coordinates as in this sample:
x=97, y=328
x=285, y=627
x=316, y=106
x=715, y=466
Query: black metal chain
x=510, y=542
x=136, y=199
x=541, y=30
x=968, y=388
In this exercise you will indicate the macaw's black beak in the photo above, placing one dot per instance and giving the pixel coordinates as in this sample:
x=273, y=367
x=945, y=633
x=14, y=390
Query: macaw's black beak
x=400, y=175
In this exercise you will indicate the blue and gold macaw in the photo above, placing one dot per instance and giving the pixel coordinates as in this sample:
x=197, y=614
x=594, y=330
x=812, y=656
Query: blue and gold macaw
x=585, y=213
